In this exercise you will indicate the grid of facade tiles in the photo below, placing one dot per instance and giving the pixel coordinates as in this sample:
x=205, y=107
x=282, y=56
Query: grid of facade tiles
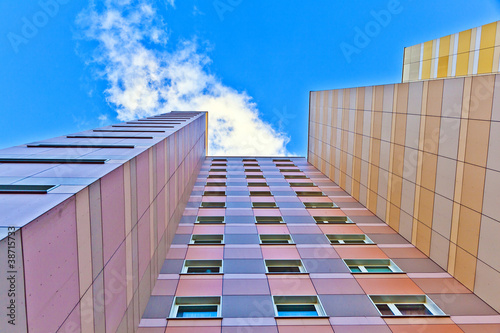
x=88, y=251
x=470, y=52
x=230, y=188
x=423, y=156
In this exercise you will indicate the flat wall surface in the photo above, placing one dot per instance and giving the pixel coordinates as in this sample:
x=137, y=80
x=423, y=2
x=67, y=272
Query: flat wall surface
x=423, y=157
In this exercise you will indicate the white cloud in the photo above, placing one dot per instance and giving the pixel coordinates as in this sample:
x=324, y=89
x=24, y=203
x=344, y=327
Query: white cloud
x=145, y=80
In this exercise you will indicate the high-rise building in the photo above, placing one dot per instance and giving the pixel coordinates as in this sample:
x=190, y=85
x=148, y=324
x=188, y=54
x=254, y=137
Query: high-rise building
x=389, y=225
x=423, y=155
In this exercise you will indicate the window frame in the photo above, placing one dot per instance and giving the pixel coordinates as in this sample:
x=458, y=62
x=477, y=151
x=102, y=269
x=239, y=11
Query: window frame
x=363, y=263
x=319, y=205
x=195, y=301
x=393, y=300
x=276, y=236
x=365, y=238
x=285, y=263
x=267, y=205
x=270, y=220
x=298, y=300
x=198, y=263
x=333, y=220
x=192, y=241
x=210, y=220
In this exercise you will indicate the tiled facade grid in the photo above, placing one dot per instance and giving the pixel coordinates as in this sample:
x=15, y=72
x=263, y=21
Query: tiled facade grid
x=423, y=157
x=246, y=290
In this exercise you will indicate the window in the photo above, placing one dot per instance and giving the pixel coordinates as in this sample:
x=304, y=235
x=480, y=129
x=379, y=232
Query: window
x=106, y=137
x=218, y=184
x=253, y=170
x=372, y=266
x=281, y=160
x=349, y=239
x=332, y=219
x=202, y=267
x=219, y=160
x=290, y=170
x=214, y=193
x=309, y=193
x=55, y=160
x=286, y=165
x=207, y=239
x=276, y=239
x=219, y=165
x=130, y=131
x=254, y=176
x=320, y=205
x=296, y=177
x=406, y=305
x=196, y=307
x=260, y=193
x=297, y=306
x=258, y=184
x=28, y=189
x=213, y=205
x=76, y=145
x=284, y=266
x=302, y=184
x=210, y=219
x=216, y=176
x=264, y=205
x=268, y=219
x=217, y=170
x=249, y=160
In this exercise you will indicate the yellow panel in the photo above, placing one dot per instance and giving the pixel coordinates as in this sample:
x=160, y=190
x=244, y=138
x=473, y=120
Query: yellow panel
x=444, y=46
x=485, y=64
x=462, y=64
x=426, y=69
x=427, y=50
x=443, y=66
x=464, y=41
x=488, y=33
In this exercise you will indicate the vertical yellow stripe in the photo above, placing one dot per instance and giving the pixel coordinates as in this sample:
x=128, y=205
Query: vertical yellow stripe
x=463, y=52
x=486, y=53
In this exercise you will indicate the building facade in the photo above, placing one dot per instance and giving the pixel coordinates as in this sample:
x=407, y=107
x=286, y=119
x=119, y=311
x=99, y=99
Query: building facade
x=87, y=219
x=423, y=155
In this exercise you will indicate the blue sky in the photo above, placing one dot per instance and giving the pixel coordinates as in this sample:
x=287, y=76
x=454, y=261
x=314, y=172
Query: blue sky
x=238, y=58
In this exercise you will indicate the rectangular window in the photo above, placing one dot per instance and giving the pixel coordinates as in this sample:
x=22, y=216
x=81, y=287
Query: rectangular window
x=309, y=193
x=210, y=219
x=302, y=184
x=320, y=205
x=249, y=160
x=26, y=189
x=284, y=266
x=269, y=219
x=76, y=145
x=276, y=239
x=372, y=266
x=219, y=160
x=207, y=239
x=202, y=267
x=406, y=305
x=349, y=239
x=196, y=307
x=106, y=137
x=217, y=170
x=297, y=306
x=213, y=205
x=55, y=160
x=261, y=194
x=214, y=193
x=290, y=170
x=257, y=184
x=281, y=160
x=218, y=165
x=295, y=177
x=217, y=184
x=264, y=205
x=216, y=176
x=286, y=165
x=129, y=131
x=332, y=219
x=254, y=176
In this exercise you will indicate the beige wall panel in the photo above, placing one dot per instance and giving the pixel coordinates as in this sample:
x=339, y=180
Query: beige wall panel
x=489, y=246
x=487, y=286
x=439, y=249
x=491, y=201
